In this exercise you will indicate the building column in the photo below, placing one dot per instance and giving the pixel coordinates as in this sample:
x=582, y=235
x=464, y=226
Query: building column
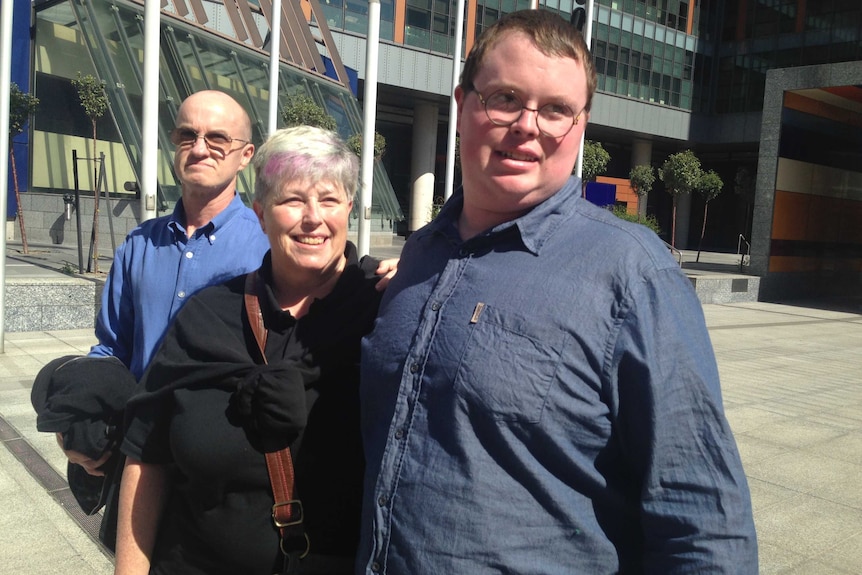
x=683, y=220
x=422, y=164
x=641, y=155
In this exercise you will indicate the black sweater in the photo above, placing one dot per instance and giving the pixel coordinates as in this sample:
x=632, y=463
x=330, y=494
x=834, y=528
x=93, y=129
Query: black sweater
x=218, y=519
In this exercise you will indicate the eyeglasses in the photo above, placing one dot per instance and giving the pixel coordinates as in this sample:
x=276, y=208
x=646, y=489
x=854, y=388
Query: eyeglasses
x=216, y=141
x=504, y=108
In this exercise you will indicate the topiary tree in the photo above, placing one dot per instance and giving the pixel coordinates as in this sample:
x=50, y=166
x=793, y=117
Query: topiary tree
x=355, y=144
x=642, y=178
x=681, y=174
x=94, y=100
x=595, y=161
x=709, y=186
x=21, y=107
x=302, y=110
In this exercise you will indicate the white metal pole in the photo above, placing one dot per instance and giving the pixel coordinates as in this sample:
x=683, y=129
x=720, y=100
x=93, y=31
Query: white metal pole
x=6, y=15
x=369, y=118
x=274, y=46
x=150, y=119
x=588, y=35
x=453, y=105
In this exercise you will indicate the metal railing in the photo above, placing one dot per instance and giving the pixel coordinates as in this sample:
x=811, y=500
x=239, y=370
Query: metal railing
x=674, y=251
x=745, y=258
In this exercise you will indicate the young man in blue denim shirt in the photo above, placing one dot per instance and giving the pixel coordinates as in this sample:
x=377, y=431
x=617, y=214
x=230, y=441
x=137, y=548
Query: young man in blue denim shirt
x=540, y=395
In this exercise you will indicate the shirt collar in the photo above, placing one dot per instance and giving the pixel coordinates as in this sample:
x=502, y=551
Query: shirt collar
x=178, y=218
x=534, y=227
x=344, y=288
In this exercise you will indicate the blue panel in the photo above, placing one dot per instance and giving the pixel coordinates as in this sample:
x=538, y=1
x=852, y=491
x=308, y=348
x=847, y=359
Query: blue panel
x=21, y=77
x=352, y=75
x=602, y=194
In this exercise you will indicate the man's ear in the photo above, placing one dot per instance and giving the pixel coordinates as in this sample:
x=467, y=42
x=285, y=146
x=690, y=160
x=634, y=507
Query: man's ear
x=459, y=97
x=247, y=155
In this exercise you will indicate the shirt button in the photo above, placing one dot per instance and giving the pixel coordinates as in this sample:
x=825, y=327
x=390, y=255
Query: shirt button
x=189, y=255
x=414, y=368
x=435, y=306
x=181, y=294
x=381, y=501
x=375, y=566
x=212, y=238
x=399, y=433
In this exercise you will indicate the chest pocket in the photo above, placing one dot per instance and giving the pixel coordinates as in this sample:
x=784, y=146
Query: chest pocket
x=509, y=364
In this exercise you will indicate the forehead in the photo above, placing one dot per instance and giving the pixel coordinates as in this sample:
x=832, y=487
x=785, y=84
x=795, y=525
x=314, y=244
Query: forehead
x=209, y=113
x=309, y=187
x=516, y=62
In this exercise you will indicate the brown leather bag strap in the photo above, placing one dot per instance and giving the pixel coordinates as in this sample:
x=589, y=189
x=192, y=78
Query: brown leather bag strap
x=287, y=513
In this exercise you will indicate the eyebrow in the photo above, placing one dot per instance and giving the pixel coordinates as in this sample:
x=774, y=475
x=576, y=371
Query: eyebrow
x=491, y=89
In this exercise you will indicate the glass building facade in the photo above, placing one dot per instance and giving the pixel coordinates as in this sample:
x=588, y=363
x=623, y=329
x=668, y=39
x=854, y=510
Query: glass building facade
x=105, y=39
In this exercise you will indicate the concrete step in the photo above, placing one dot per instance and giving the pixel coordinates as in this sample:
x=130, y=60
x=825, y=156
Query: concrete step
x=48, y=304
x=725, y=288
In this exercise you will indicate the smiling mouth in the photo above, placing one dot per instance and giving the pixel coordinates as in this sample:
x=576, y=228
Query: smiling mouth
x=519, y=157
x=310, y=241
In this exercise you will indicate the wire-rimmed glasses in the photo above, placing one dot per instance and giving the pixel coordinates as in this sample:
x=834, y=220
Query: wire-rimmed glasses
x=504, y=108
x=218, y=142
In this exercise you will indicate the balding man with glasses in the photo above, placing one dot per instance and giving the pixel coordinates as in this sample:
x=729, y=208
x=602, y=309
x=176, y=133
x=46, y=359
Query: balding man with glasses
x=210, y=237
x=539, y=394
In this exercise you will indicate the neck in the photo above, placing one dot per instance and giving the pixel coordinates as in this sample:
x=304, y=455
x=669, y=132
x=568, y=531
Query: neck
x=473, y=222
x=200, y=209
x=295, y=292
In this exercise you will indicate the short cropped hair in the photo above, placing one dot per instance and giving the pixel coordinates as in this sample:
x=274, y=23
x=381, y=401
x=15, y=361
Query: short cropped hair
x=552, y=35
x=304, y=153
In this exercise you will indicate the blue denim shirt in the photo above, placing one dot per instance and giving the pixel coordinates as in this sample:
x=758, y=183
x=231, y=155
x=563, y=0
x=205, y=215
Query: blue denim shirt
x=157, y=269
x=544, y=399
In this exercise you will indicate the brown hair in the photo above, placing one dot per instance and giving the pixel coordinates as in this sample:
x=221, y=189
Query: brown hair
x=552, y=35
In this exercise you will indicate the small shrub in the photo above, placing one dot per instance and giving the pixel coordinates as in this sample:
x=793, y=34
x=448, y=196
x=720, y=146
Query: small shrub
x=437, y=206
x=649, y=221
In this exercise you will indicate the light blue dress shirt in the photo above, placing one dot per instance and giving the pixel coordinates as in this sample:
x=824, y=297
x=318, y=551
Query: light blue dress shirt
x=157, y=269
x=544, y=399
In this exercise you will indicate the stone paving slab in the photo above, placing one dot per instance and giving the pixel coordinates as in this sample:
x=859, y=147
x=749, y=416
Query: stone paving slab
x=792, y=387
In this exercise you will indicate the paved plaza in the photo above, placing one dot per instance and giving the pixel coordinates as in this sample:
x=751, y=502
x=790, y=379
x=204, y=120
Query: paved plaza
x=792, y=384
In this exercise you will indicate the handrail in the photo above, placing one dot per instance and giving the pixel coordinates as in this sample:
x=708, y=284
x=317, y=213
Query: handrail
x=739, y=253
x=673, y=250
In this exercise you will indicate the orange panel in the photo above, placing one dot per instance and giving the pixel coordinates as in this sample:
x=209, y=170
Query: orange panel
x=789, y=216
x=400, y=16
x=850, y=222
x=853, y=93
x=624, y=192
x=470, y=28
x=821, y=220
x=690, y=26
x=796, y=101
x=793, y=264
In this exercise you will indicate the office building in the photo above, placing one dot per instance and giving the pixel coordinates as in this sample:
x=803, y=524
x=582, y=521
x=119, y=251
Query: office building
x=768, y=93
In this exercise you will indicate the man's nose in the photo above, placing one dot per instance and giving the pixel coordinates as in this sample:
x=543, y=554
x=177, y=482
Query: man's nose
x=526, y=122
x=199, y=146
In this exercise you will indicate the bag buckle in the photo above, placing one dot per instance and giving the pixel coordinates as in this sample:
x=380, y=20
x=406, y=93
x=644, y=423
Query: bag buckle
x=291, y=504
